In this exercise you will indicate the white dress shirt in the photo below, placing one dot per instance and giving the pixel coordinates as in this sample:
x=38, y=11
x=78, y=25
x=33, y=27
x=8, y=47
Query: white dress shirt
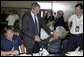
x=33, y=16
x=76, y=22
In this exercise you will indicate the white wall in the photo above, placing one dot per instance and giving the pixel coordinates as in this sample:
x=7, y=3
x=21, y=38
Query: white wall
x=25, y=4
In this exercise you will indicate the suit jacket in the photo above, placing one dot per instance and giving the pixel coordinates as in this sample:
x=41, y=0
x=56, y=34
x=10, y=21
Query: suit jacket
x=28, y=28
x=59, y=22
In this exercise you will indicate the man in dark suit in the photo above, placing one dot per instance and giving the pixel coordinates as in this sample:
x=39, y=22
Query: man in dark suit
x=59, y=19
x=31, y=25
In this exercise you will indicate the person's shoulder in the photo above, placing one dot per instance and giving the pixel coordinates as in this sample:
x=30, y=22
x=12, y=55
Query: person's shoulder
x=73, y=15
x=9, y=16
x=16, y=15
x=61, y=18
x=27, y=13
x=16, y=37
x=3, y=38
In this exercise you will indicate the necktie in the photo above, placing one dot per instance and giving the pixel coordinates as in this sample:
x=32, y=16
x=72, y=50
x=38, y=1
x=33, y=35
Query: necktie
x=36, y=26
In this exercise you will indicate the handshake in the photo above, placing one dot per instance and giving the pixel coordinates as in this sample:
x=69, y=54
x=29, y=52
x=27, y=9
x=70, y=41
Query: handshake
x=38, y=39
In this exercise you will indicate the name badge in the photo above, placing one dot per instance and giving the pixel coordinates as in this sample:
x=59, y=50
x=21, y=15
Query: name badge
x=77, y=29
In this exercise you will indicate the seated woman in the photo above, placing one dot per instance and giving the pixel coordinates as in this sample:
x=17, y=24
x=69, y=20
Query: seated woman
x=53, y=43
x=10, y=43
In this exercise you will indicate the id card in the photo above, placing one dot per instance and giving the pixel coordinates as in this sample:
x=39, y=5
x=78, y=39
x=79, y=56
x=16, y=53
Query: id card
x=77, y=29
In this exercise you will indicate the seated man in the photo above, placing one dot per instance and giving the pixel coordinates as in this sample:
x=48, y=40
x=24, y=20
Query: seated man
x=53, y=43
x=10, y=43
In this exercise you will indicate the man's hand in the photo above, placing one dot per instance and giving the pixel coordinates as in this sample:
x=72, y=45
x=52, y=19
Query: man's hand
x=37, y=38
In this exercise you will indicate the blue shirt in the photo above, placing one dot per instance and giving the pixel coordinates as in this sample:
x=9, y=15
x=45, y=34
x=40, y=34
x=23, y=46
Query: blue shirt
x=7, y=45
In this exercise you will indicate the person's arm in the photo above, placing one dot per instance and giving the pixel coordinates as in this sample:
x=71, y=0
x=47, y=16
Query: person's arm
x=22, y=48
x=70, y=22
x=5, y=53
x=12, y=52
x=45, y=27
x=44, y=42
x=37, y=38
x=69, y=25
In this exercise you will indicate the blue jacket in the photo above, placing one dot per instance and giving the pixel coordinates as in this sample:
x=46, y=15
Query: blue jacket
x=53, y=47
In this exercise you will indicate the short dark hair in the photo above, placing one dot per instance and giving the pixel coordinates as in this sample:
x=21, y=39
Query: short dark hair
x=34, y=4
x=16, y=23
x=79, y=4
x=8, y=28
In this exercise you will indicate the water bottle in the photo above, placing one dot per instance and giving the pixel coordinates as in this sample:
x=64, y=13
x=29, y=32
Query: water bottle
x=40, y=52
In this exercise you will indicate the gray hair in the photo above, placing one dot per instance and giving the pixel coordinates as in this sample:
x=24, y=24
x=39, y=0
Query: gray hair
x=61, y=31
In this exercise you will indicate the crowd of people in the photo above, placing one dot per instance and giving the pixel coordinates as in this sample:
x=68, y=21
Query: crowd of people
x=25, y=32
